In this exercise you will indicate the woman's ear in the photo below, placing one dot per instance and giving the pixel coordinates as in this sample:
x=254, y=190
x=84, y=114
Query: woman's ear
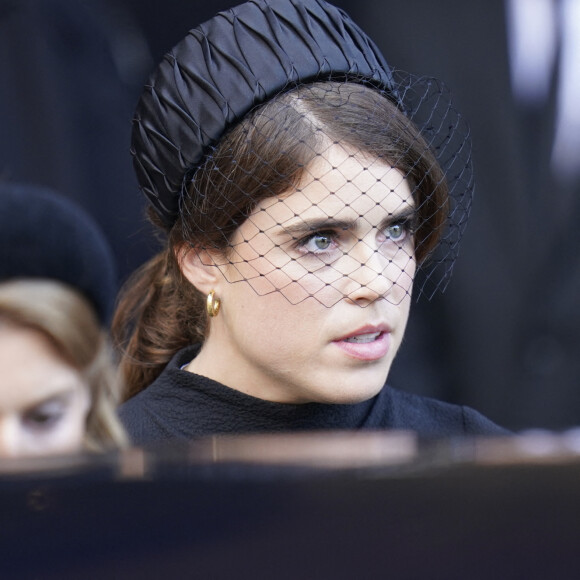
x=199, y=267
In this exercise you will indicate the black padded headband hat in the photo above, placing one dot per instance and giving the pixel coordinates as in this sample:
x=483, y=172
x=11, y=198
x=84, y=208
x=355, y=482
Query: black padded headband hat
x=224, y=67
x=45, y=235
x=246, y=55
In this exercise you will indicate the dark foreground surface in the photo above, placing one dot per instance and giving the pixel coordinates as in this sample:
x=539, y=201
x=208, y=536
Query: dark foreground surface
x=282, y=508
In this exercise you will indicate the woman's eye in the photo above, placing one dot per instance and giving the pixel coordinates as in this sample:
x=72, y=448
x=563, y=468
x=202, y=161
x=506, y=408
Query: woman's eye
x=321, y=242
x=397, y=231
x=44, y=415
x=318, y=242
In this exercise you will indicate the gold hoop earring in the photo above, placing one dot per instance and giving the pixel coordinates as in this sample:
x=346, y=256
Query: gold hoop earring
x=212, y=304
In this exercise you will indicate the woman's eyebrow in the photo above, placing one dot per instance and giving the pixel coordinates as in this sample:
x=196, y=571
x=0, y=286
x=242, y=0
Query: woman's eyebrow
x=306, y=225
x=408, y=212
x=317, y=224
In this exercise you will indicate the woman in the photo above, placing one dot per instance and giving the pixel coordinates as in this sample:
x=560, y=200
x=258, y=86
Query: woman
x=299, y=198
x=58, y=382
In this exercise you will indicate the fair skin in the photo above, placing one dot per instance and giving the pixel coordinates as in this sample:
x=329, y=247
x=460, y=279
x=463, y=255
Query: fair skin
x=44, y=401
x=315, y=293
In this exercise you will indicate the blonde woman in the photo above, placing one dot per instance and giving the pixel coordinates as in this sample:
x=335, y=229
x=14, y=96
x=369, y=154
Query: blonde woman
x=58, y=381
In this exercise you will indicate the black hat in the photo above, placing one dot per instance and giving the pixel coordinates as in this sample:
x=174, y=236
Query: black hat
x=45, y=235
x=221, y=69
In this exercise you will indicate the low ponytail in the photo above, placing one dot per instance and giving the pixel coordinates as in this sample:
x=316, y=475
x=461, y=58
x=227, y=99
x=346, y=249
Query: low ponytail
x=158, y=313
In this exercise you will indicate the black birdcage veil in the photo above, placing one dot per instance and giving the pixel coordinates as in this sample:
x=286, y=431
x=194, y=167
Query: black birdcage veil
x=327, y=187
x=339, y=178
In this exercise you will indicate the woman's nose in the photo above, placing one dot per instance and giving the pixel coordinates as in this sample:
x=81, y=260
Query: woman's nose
x=377, y=275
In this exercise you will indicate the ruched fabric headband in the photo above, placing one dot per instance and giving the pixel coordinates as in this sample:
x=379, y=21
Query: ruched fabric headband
x=224, y=67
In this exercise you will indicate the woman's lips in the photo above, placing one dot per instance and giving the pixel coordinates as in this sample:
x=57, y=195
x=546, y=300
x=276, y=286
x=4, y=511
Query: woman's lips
x=368, y=345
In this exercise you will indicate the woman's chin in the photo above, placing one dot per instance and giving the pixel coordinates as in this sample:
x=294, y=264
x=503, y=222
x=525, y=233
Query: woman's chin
x=349, y=395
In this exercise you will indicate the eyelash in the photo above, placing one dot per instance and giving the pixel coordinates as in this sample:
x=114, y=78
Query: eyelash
x=407, y=223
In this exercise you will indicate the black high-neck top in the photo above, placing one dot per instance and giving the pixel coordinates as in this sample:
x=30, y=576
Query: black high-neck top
x=180, y=405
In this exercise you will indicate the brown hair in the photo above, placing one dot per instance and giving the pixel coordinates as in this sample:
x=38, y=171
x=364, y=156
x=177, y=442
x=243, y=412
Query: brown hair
x=70, y=323
x=159, y=311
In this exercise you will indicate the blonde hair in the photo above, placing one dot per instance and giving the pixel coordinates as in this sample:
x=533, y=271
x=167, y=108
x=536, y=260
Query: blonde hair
x=70, y=322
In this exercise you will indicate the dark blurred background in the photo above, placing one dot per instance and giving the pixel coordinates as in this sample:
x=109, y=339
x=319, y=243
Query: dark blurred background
x=505, y=337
